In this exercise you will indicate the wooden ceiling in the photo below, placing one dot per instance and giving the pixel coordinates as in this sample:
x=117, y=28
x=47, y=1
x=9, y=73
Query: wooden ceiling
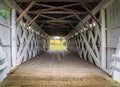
x=58, y=17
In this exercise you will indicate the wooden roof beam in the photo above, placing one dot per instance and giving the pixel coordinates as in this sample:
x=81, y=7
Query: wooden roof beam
x=33, y=19
x=69, y=16
x=25, y=11
x=48, y=17
x=55, y=0
x=89, y=12
x=47, y=0
x=57, y=7
x=57, y=12
x=49, y=7
x=42, y=24
x=80, y=20
x=57, y=21
x=52, y=18
x=71, y=25
x=56, y=26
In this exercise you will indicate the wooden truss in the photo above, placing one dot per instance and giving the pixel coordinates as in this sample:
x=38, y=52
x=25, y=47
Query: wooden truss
x=87, y=42
x=47, y=16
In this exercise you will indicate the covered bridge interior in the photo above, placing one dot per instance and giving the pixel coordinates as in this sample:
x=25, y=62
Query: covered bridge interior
x=91, y=29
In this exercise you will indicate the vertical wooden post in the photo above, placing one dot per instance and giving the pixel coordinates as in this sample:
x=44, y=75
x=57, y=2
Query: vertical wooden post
x=13, y=37
x=103, y=40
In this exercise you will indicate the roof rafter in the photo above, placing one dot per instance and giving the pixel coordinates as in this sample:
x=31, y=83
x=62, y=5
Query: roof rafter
x=50, y=8
x=57, y=21
x=25, y=11
x=55, y=0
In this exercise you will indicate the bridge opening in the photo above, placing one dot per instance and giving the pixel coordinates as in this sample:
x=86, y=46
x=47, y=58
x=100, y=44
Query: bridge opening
x=57, y=43
x=91, y=32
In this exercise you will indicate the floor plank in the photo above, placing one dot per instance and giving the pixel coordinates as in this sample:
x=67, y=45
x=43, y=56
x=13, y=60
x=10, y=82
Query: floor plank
x=58, y=69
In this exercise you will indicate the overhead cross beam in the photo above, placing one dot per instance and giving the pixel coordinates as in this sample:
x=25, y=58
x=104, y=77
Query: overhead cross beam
x=69, y=16
x=25, y=11
x=48, y=17
x=89, y=12
x=52, y=26
x=55, y=19
x=55, y=0
x=51, y=8
x=61, y=18
x=67, y=12
x=71, y=25
x=58, y=21
x=33, y=19
x=42, y=24
x=56, y=12
x=81, y=21
x=88, y=5
x=64, y=7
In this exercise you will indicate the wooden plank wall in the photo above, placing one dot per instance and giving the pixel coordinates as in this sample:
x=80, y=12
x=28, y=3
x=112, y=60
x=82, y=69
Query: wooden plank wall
x=113, y=34
x=88, y=42
x=28, y=40
x=5, y=36
x=112, y=29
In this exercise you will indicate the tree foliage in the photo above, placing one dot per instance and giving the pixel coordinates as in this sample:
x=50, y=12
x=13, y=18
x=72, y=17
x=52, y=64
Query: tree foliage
x=5, y=14
x=64, y=43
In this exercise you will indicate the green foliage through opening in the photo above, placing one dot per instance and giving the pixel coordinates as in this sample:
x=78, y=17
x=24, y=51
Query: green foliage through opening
x=58, y=43
x=5, y=14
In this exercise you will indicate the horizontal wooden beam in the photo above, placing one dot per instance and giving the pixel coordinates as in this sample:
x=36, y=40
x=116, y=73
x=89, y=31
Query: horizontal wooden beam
x=56, y=0
x=62, y=28
x=56, y=12
x=55, y=29
x=60, y=25
x=58, y=21
x=59, y=34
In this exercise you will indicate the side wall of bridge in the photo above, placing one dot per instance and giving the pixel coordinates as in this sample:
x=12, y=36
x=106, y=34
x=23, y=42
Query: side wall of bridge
x=19, y=41
x=97, y=43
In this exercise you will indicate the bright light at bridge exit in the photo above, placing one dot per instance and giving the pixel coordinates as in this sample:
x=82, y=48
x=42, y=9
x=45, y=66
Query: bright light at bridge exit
x=57, y=43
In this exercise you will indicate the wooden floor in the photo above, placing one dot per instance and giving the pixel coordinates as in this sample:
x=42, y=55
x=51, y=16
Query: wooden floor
x=58, y=69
